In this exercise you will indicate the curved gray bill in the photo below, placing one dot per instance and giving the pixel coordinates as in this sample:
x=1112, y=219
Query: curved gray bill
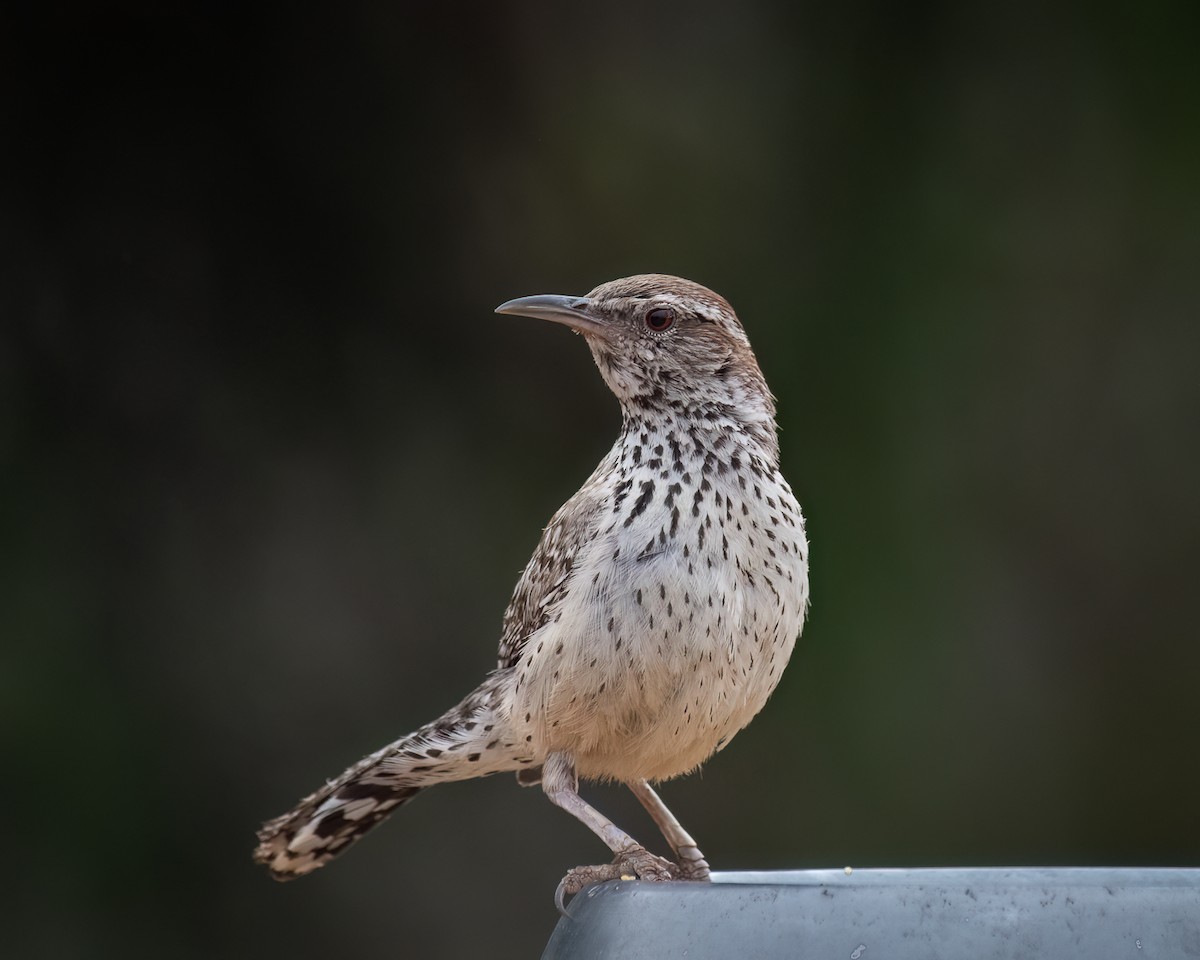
x=572, y=311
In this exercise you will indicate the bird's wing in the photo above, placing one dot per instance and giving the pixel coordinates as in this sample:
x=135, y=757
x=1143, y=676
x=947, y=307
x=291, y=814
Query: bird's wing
x=549, y=574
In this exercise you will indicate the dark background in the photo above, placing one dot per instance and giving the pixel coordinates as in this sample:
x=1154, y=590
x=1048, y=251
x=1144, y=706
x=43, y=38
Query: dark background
x=270, y=466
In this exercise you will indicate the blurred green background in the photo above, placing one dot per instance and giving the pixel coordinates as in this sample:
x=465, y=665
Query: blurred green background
x=270, y=465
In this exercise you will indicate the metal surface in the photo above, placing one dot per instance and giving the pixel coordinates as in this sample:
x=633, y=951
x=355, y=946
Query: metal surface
x=1095, y=913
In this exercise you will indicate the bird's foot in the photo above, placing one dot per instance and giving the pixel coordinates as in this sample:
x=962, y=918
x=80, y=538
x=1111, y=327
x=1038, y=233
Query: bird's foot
x=634, y=863
x=691, y=865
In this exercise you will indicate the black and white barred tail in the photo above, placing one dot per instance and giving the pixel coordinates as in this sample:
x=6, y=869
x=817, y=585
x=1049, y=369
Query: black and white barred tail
x=466, y=742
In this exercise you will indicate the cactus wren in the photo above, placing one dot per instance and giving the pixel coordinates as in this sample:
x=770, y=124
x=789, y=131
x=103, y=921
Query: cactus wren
x=655, y=616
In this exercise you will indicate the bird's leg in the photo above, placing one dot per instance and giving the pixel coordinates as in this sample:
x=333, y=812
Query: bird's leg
x=692, y=865
x=561, y=786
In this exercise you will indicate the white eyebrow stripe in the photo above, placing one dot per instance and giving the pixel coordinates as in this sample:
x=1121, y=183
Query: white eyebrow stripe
x=709, y=311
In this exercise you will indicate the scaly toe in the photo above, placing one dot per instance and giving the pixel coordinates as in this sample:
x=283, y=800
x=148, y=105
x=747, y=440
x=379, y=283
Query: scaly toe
x=637, y=862
x=641, y=863
x=691, y=865
x=579, y=877
x=691, y=870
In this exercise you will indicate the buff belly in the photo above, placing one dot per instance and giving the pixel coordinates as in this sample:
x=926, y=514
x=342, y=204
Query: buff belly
x=647, y=672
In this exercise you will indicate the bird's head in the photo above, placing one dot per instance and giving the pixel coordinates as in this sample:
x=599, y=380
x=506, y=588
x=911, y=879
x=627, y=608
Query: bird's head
x=663, y=343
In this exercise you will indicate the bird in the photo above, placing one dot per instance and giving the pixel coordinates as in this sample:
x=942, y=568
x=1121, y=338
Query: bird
x=655, y=616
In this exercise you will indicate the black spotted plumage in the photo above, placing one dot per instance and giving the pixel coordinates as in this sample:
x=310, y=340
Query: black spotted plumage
x=656, y=612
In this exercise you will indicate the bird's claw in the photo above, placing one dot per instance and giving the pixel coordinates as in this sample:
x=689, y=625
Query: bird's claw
x=636, y=863
x=691, y=865
x=691, y=870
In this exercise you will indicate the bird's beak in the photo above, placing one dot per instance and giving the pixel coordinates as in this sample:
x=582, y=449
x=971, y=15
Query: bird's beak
x=574, y=312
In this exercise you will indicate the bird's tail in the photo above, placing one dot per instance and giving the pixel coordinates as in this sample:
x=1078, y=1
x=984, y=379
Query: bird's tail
x=468, y=741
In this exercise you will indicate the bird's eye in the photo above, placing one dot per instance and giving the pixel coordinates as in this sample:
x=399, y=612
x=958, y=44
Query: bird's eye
x=660, y=319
